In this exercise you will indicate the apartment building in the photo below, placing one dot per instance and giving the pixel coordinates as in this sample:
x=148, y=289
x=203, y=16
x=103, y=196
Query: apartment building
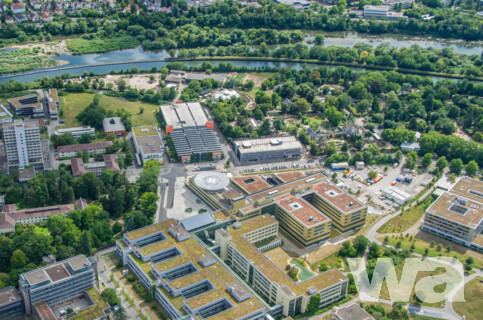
x=11, y=304
x=148, y=144
x=457, y=215
x=52, y=103
x=77, y=132
x=345, y=211
x=92, y=148
x=29, y=105
x=188, y=281
x=23, y=147
x=55, y=284
x=238, y=248
x=268, y=149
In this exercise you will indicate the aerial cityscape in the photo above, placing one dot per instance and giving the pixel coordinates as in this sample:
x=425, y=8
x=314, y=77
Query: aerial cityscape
x=241, y=159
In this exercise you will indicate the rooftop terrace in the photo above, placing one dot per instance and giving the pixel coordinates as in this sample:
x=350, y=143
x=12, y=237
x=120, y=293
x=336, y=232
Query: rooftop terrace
x=469, y=188
x=270, y=270
x=453, y=207
x=145, y=131
x=289, y=176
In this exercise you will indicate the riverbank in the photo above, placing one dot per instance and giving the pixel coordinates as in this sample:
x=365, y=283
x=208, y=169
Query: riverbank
x=330, y=63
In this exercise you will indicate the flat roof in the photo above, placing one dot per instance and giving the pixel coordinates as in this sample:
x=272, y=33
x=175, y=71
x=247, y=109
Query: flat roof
x=192, y=251
x=352, y=312
x=186, y=114
x=27, y=101
x=37, y=276
x=44, y=310
x=269, y=269
x=302, y=210
x=85, y=129
x=8, y=295
x=150, y=144
x=458, y=209
x=469, y=188
x=251, y=184
x=57, y=272
x=212, y=181
x=53, y=98
x=144, y=131
x=140, y=233
x=338, y=198
x=111, y=127
x=78, y=262
x=289, y=176
x=268, y=144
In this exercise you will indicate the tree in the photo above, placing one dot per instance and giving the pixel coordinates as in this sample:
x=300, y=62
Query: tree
x=372, y=174
x=441, y=163
x=472, y=168
x=120, y=313
x=110, y=296
x=18, y=260
x=427, y=160
x=121, y=85
x=426, y=251
x=86, y=247
x=361, y=243
x=455, y=166
x=265, y=129
x=470, y=260
x=334, y=116
x=148, y=203
x=330, y=148
x=314, y=303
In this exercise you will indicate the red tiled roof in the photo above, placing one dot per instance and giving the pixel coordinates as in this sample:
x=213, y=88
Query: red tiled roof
x=111, y=162
x=77, y=166
x=84, y=146
x=17, y=6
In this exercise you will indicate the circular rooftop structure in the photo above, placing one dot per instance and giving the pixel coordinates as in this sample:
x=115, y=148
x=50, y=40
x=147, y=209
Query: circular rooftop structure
x=212, y=181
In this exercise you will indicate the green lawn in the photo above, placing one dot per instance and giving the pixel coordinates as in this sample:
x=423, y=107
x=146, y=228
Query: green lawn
x=403, y=221
x=331, y=261
x=472, y=307
x=84, y=46
x=74, y=103
x=421, y=245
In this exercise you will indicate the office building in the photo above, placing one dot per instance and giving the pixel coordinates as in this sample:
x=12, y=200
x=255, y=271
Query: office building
x=11, y=216
x=77, y=132
x=148, y=144
x=55, y=284
x=5, y=115
x=268, y=149
x=238, y=248
x=345, y=211
x=191, y=132
x=52, y=103
x=375, y=11
x=79, y=167
x=22, y=143
x=11, y=304
x=457, y=215
x=307, y=207
x=189, y=280
x=29, y=105
x=396, y=195
x=92, y=148
x=113, y=125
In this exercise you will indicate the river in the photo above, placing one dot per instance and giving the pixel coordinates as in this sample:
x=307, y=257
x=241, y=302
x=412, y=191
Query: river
x=143, y=59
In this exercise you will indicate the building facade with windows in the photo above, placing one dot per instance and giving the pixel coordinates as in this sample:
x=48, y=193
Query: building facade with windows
x=187, y=280
x=268, y=149
x=91, y=148
x=77, y=132
x=148, y=143
x=56, y=283
x=11, y=304
x=29, y=105
x=23, y=147
x=457, y=215
x=238, y=249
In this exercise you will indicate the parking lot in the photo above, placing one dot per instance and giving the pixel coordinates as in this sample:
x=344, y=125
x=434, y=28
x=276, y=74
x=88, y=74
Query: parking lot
x=374, y=192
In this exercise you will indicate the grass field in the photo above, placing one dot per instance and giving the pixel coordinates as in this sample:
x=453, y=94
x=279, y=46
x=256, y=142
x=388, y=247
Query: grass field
x=84, y=46
x=421, y=245
x=23, y=60
x=472, y=307
x=403, y=221
x=74, y=103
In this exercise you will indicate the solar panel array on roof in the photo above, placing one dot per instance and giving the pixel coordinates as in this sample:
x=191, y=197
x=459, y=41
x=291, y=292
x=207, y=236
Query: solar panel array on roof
x=195, y=140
